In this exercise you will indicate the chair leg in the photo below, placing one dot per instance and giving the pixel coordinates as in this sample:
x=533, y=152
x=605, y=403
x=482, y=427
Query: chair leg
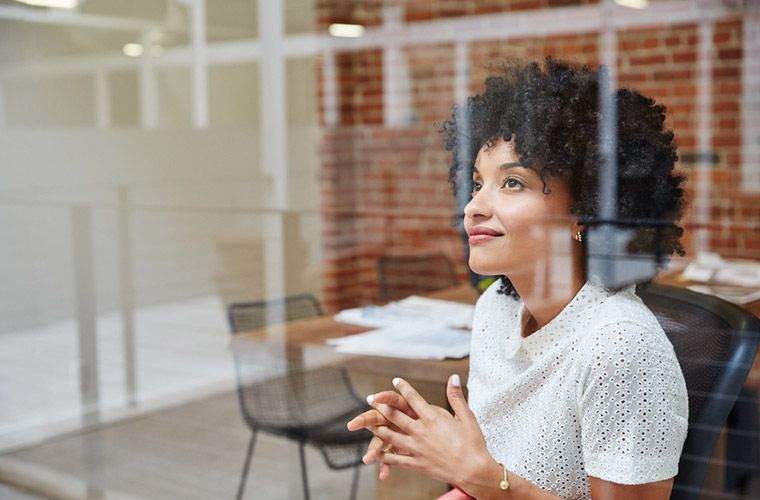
x=246, y=466
x=304, y=477
x=355, y=480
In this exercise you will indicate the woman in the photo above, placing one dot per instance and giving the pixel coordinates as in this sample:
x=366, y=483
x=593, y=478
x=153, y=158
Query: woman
x=574, y=389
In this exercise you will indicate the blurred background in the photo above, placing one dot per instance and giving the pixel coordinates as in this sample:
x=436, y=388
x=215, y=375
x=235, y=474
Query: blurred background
x=161, y=160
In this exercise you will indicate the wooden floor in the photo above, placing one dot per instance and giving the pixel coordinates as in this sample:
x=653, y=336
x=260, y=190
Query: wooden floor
x=195, y=450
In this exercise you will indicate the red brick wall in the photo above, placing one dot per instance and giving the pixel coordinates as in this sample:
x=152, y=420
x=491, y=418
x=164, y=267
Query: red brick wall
x=662, y=63
x=385, y=190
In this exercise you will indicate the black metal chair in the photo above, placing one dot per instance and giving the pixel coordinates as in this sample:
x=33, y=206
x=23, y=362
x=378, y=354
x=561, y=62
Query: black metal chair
x=306, y=406
x=401, y=276
x=715, y=343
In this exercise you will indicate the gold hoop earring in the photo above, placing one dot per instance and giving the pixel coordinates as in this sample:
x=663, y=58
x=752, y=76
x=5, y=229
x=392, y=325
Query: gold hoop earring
x=578, y=236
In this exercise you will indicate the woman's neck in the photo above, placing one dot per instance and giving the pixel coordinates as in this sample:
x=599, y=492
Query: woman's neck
x=543, y=303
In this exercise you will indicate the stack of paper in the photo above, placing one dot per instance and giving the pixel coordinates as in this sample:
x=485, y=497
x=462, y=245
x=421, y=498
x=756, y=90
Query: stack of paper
x=411, y=309
x=419, y=340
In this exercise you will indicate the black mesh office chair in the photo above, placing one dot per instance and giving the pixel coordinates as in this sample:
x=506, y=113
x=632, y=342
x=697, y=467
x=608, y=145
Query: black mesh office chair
x=309, y=407
x=715, y=342
x=401, y=276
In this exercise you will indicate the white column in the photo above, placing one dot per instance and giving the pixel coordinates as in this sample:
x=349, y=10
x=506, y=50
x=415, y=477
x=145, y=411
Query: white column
x=148, y=88
x=330, y=89
x=274, y=153
x=200, y=63
x=607, y=104
x=704, y=134
x=462, y=68
x=751, y=101
x=126, y=293
x=605, y=241
x=2, y=106
x=87, y=327
x=465, y=156
x=102, y=100
x=396, y=86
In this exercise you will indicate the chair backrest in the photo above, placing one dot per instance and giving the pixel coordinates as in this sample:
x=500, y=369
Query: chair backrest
x=299, y=399
x=715, y=343
x=404, y=275
x=243, y=316
x=274, y=389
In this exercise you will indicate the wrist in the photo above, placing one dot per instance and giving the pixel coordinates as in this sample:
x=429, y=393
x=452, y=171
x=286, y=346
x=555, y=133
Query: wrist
x=482, y=481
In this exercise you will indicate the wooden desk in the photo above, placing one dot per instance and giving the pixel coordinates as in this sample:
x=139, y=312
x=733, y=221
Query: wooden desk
x=313, y=332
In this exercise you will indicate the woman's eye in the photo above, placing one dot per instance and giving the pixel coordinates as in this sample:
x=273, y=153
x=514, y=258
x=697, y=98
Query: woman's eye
x=513, y=184
x=475, y=187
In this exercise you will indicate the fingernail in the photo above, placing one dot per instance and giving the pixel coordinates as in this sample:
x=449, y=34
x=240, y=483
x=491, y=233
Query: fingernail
x=370, y=398
x=396, y=381
x=364, y=459
x=455, y=380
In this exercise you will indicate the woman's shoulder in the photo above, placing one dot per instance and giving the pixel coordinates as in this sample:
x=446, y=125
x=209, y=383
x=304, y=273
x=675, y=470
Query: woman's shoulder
x=623, y=321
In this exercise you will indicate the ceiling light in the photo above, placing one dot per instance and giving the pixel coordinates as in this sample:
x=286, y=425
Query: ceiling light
x=634, y=4
x=133, y=49
x=346, y=30
x=53, y=4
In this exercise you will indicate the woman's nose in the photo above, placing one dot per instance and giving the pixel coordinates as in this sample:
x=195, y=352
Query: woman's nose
x=477, y=206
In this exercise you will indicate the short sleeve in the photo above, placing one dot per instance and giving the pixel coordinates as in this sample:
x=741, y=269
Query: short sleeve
x=633, y=406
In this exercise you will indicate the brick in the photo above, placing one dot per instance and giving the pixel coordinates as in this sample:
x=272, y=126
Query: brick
x=684, y=56
x=730, y=54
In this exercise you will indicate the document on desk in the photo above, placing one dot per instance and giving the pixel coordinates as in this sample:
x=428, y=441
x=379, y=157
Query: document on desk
x=411, y=309
x=738, y=295
x=734, y=280
x=418, y=340
x=711, y=268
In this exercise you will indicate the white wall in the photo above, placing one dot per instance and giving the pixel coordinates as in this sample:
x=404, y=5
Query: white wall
x=189, y=187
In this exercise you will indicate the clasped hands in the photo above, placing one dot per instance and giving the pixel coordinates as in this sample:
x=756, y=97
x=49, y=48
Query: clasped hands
x=411, y=433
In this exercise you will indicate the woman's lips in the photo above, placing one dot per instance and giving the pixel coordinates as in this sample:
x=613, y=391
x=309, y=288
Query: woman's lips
x=477, y=239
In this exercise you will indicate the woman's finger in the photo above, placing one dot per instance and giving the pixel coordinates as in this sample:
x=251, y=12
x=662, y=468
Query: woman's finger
x=391, y=437
x=375, y=444
x=395, y=416
x=366, y=419
x=373, y=450
x=396, y=460
x=385, y=471
x=394, y=399
x=417, y=402
x=456, y=399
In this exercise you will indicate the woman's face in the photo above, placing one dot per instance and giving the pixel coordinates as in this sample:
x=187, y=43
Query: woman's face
x=535, y=228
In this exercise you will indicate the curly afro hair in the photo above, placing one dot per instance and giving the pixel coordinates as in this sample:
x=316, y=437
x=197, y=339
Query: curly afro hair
x=553, y=112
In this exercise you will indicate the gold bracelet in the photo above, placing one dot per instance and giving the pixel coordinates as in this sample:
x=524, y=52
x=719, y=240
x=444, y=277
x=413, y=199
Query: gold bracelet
x=504, y=484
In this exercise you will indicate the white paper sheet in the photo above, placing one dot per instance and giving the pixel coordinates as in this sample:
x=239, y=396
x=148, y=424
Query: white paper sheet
x=419, y=340
x=711, y=268
x=411, y=309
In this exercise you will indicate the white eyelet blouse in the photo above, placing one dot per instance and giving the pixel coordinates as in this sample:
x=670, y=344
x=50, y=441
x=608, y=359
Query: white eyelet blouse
x=597, y=391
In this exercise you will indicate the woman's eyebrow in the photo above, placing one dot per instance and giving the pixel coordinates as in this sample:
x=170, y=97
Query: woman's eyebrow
x=504, y=166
